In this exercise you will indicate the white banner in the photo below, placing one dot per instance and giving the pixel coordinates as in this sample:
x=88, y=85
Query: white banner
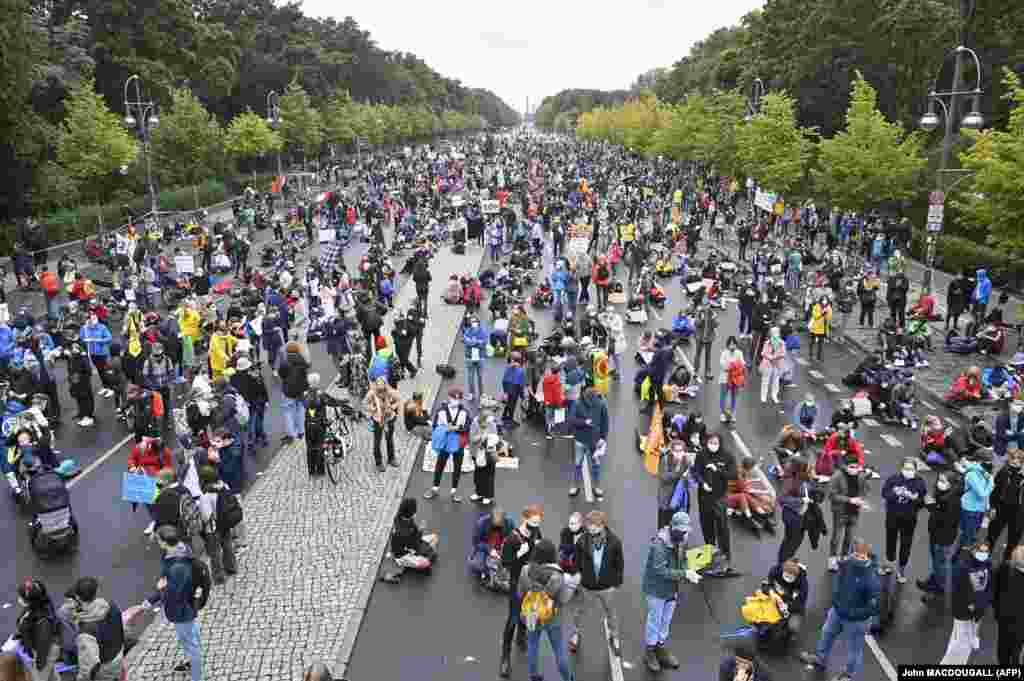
x=764, y=200
x=490, y=206
x=184, y=264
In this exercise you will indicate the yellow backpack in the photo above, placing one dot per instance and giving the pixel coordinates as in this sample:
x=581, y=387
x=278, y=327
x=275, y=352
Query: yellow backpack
x=761, y=608
x=538, y=608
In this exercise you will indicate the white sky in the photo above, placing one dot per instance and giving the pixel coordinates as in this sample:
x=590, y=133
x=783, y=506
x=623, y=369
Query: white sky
x=533, y=48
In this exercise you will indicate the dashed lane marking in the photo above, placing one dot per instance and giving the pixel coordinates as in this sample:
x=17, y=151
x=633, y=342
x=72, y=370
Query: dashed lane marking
x=741, y=444
x=871, y=422
x=883, y=660
x=801, y=361
x=614, y=661
x=831, y=387
x=928, y=405
x=588, y=481
x=891, y=441
x=814, y=373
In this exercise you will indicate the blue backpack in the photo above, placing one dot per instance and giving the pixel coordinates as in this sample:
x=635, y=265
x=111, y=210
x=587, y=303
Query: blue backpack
x=378, y=369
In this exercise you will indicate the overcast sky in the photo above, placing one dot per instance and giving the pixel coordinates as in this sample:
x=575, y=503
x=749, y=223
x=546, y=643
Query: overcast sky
x=535, y=48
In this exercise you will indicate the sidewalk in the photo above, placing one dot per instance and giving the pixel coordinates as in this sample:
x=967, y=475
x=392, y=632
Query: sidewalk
x=935, y=380
x=314, y=549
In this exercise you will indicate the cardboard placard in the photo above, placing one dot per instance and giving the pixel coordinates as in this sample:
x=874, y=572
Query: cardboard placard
x=490, y=206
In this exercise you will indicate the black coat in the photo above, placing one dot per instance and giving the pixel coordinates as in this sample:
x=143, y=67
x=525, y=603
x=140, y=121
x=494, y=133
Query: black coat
x=612, y=566
x=294, y=376
x=944, y=517
x=1008, y=594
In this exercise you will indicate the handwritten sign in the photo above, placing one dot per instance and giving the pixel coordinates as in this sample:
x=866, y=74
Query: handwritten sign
x=490, y=206
x=138, y=488
x=185, y=264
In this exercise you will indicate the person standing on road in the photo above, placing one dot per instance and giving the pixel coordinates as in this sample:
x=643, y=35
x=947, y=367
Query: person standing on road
x=475, y=339
x=820, y=326
x=1007, y=597
x=847, y=491
x=972, y=595
x=217, y=540
x=943, y=523
x=515, y=554
x=855, y=600
x=1007, y=492
x=713, y=470
x=664, y=570
x=97, y=339
x=542, y=578
x=294, y=384
x=747, y=301
x=904, y=494
x=588, y=419
x=80, y=385
x=175, y=591
x=37, y=631
x=732, y=375
x=958, y=294
x=382, y=404
x=100, y=637
x=673, y=470
x=979, y=298
x=705, y=338
x=867, y=292
x=601, y=564
x=421, y=278
x=773, y=364
x=896, y=297
x=974, y=503
x=448, y=439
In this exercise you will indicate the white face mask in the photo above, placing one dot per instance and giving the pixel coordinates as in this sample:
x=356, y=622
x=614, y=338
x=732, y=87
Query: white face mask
x=942, y=486
x=788, y=579
x=533, y=522
x=574, y=526
x=909, y=474
x=713, y=446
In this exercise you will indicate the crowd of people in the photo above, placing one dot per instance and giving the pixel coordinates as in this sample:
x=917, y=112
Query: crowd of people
x=569, y=215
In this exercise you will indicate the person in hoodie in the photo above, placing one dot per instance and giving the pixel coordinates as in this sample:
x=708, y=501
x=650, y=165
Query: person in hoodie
x=1006, y=497
x=543, y=575
x=974, y=503
x=789, y=581
x=489, y=535
x=588, y=420
x=601, y=563
x=1008, y=435
x=943, y=524
x=475, y=339
x=980, y=296
x=294, y=375
x=713, y=469
x=958, y=294
x=855, y=600
x=904, y=494
x=973, y=587
x=97, y=339
x=847, y=492
x=515, y=553
x=664, y=570
x=99, y=626
x=36, y=630
x=1006, y=599
x=175, y=592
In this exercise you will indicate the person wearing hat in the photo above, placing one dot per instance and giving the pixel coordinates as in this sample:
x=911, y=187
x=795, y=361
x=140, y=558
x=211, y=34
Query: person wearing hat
x=664, y=570
x=248, y=381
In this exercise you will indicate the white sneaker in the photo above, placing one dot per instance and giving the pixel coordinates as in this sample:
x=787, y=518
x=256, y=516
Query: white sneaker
x=900, y=577
x=833, y=564
x=723, y=418
x=474, y=497
x=149, y=528
x=86, y=422
x=486, y=502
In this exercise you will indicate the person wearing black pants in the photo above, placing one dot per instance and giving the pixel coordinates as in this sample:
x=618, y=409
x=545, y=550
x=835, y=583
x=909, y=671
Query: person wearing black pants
x=705, y=336
x=904, y=494
x=80, y=379
x=1007, y=595
x=455, y=420
x=795, y=501
x=515, y=553
x=1005, y=498
x=713, y=469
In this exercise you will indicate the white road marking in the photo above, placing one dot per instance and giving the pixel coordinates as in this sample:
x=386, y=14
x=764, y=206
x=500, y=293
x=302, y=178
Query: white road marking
x=814, y=373
x=98, y=462
x=614, y=661
x=588, y=480
x=802, y=362
x=891, y=441
x=741, y=444
x=927, y=405
x=879, y=654
x=871, y=422
x=831, y=387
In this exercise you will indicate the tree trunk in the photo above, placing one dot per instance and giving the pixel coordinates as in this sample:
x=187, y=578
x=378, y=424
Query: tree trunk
x=195, y=195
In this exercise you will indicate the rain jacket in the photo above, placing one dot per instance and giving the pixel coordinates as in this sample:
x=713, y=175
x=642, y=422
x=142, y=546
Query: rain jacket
x=89, y=649
x=6, y=341
x=983, y=288
x=855, y=590
x=665, y=567
x=97, y=339
x=978, y=487
x=475, y=338
x=595, y=410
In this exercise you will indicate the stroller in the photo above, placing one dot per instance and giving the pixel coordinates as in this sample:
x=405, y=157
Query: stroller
x=53, y=527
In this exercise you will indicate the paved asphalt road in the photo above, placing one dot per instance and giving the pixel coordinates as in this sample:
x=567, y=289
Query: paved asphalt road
x=112, y=545
x=449, y=628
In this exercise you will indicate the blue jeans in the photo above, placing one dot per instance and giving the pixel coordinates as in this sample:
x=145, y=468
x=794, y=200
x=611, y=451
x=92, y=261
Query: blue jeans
x=970, y=523
x=940, y=556
x=256, y=432
x=792, y=279
x=554, y=631
x=745, y=318
x=294, y=417
x=475, y=370
x=53, y=306
x=582, y=452
x=730, y=391
x=188, y=637
x=659, y=619
x=834, y=627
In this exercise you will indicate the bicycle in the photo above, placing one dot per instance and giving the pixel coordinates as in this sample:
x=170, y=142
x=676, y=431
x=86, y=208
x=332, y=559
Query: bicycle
x=338, y=441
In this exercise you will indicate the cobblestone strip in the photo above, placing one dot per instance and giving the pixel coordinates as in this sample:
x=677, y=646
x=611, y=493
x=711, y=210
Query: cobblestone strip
x=314, y=549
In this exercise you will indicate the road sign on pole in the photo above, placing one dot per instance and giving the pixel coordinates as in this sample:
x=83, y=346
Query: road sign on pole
x=936, y=210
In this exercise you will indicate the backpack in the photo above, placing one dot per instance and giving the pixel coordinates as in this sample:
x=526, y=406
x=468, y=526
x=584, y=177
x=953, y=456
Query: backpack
x=109, y=635
x=824, y=464
x=202, y=582
x=538, y=608
x=157, y=405
x=737, y=374
x=229, y=510
x=446, y=371
x=241, y=408
x=188, y=520
x=378, y=369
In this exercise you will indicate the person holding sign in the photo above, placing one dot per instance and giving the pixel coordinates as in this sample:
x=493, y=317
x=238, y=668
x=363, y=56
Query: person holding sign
x=149, y=457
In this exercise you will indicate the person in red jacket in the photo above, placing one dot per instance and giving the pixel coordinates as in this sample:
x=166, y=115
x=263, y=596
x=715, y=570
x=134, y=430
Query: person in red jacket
x=554, y=398
x=601, y=275
x=150, y=456
x=841, y=443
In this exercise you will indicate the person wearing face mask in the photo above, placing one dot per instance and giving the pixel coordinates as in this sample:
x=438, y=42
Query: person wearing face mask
x=664, y=570
x=97, y=339
x=789, y=581
x=475, y=339
x=773, y=363
x=449, y=439
x=747, y=301
x=100, y=631
x=36, y=632
x=673, y=471
x=1009, y=430
x=800, y=500
x=732, y=376
x=904, y=494
x=713, y=469
x=588, y=419
x=847, y=491
x=975, y=501
x=820, y=326
x=855, y=600
x=1007, y=595
x=515, y=553
x=80, y=385
x=972, y=595
x=601, y=564
x=1007, y=491
x=943, y=524
x=568, y=559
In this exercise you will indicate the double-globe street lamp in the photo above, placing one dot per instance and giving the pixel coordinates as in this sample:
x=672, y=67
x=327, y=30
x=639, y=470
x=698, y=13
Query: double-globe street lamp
x=274, y=121
x=930, y=121
x=141, y=116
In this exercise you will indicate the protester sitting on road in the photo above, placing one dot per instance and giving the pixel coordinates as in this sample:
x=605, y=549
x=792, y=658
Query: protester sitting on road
x=742, y=664
x=417, y=420
x=410, y=547
x=752, y=496
x=841, y=443
x=489, y=535
x=845, y=416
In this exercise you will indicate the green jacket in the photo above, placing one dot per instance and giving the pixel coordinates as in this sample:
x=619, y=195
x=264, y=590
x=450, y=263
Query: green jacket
x=665, y=567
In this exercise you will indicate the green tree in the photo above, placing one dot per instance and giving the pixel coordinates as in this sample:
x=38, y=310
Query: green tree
x=872, y=160
x=248, y=136
x=93, y=144
x=771, y=147
x=996, y=197
x=302, y=127
x=188, y=146
x=337, y=117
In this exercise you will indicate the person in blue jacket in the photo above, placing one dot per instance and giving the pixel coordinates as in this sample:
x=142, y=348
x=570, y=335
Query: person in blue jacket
x=855, y=600
x=979, y=299
x=589, y=422
x=489, y=535
x=97, y=339
x=559, y=284
x=475, y=339
x=1009, y=429
x=904, y=494
x=7, y=345
x=176, y=593
x=974, y=504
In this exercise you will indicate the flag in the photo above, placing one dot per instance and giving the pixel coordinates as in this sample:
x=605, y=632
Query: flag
x=654, y=441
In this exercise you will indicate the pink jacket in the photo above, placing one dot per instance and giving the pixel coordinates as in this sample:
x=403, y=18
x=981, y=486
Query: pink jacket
x=772, y=356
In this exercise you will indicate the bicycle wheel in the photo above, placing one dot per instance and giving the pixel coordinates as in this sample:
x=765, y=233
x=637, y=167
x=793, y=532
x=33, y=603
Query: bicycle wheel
x=345, y=434
x=334, y=457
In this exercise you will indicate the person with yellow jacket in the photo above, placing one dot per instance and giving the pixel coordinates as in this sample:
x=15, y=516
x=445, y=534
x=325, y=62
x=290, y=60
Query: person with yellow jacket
x=222, y=347
x=189, y=324
x=821, y=325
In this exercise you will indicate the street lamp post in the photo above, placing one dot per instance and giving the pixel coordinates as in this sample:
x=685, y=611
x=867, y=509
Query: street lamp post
x=274, y=121
x=930, y=121
x=757, y=91
x=141, y=115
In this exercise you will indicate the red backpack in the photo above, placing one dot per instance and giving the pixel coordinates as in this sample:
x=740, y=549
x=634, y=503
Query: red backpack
x=737, y=374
